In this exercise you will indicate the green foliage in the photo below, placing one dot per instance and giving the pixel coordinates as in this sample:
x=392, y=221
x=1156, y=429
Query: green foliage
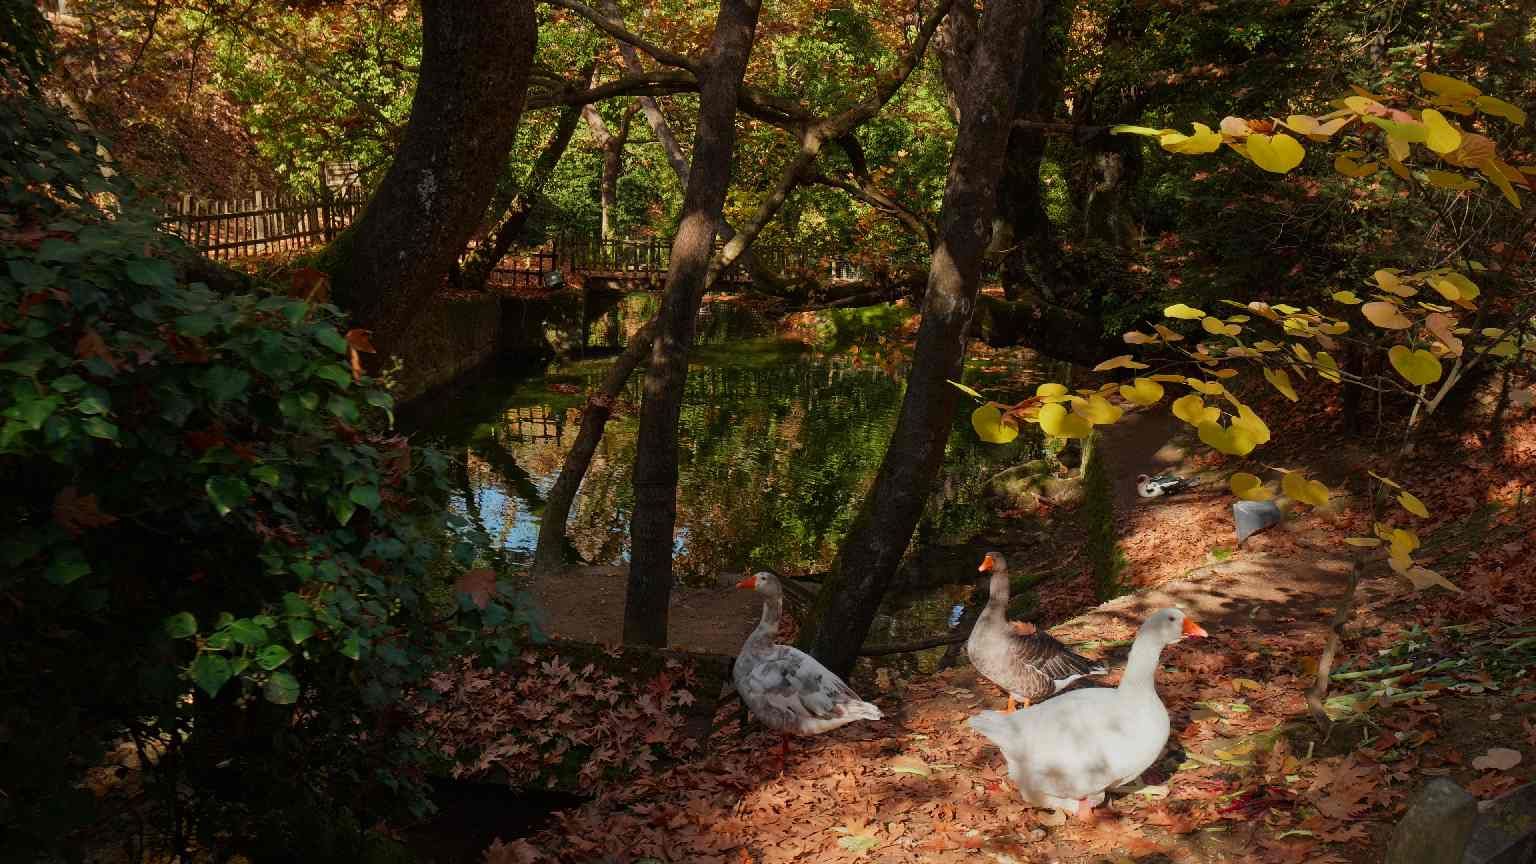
x=213, y=544
x=26, y=44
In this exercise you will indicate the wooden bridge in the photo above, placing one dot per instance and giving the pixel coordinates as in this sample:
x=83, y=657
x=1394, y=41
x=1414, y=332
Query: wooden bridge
x=275, y=223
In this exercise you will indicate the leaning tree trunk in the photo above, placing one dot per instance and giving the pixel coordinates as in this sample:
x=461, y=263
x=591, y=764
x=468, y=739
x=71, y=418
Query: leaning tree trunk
x=474, y=74
x=655, y=473
x=874, y=547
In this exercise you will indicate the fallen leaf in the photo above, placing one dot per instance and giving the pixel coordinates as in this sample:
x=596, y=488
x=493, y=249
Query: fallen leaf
x=910, y=765
x=1497, y=759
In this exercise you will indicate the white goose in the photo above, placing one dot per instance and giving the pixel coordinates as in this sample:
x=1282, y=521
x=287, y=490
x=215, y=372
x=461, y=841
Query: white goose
x=1064, y=753
x=784, y=687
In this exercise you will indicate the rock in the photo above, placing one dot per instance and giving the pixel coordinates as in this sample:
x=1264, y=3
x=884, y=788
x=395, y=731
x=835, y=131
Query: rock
x=1437, y=826
x=1251, y=517
x=1506, y=831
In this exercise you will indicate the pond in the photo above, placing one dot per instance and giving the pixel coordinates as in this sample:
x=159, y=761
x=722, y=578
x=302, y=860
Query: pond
x=779, y=443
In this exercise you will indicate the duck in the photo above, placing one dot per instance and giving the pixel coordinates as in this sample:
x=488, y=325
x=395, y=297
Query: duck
x=785, y=688
x=1148, y=486
x=1028, y=666
x=1066, y=753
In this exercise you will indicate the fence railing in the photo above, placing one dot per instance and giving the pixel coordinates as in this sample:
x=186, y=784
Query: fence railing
x=263, y=222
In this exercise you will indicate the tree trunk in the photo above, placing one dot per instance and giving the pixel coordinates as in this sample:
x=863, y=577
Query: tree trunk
x=474, y=74
x=868, y=559
x=1031, y=256
x=549, y=556
x=513, y=205
x=655, y=473
x=1107, y=213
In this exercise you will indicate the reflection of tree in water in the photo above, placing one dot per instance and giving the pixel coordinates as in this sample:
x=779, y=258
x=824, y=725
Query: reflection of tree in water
x=777, y=451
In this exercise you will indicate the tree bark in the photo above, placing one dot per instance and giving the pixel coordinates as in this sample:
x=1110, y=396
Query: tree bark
x=1031, y=256
x=549, y=555
x=879, y=537
x=514, y=204
x=655, y=473
x=474, y=74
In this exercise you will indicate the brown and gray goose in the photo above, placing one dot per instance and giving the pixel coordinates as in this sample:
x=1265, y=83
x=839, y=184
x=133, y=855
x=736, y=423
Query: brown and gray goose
x=1030, y=666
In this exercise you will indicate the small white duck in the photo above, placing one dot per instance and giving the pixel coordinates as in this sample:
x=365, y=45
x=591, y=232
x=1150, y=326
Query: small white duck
x=1064, y=753
x=1148, y=486
x=784, y=687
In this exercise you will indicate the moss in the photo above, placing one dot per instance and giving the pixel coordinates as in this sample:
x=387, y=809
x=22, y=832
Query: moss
x=1104, y=551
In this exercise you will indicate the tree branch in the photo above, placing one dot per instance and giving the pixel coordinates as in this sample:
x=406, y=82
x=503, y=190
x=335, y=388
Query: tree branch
x=616, y=30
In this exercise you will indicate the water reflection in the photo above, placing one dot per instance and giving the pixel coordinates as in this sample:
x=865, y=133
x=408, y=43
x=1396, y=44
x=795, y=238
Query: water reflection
x=778, y=445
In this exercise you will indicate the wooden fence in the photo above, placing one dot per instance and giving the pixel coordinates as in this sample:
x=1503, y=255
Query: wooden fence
x=264, y=222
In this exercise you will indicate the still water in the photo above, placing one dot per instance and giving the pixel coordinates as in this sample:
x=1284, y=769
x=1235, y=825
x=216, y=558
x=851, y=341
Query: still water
x=779, y=443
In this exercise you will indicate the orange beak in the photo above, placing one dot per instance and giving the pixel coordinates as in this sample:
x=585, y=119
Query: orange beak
x=751, y=582
x=986, y=564
x=1193, y=629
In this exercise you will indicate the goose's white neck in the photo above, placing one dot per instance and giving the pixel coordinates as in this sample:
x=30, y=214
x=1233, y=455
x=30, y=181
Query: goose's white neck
x=1140, y=676
x=768, y=627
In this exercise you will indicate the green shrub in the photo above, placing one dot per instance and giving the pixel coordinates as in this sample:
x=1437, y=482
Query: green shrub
x=211, y=543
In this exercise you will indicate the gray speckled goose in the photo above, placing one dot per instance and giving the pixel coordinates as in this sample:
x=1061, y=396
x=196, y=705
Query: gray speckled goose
x=784, y=687
x=1030, y=667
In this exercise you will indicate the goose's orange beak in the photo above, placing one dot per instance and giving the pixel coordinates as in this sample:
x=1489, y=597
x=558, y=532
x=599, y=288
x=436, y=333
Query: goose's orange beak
x=986, y=564
x=749, y=582
x=1193, y=629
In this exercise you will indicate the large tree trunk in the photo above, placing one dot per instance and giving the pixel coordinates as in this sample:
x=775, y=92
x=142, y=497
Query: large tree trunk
x=474, y=75
x=1031, y=256
x=549, y=555
x=868, y=559
x=655, y=474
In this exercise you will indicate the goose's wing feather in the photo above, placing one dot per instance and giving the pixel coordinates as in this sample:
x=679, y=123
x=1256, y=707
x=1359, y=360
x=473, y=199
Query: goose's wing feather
x=790, y=691
x=1057, y=662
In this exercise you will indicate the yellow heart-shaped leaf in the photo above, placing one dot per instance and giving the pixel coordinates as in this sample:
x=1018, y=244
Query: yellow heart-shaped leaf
x=1250, y=422
x=1446, y=88
x=1413, y=505
x=1296, y=486
x=1499, y=108
x=1203, y=141
x=1180, y=310
x=1168, y=335
x=1281, y=381
x=1136, y=337
x=1327, y=367
x=1349, y=297
x=1490, y=168
x=1277, y=153
x=1423, y=577
x=1450, y=180
x=1217, y=327
x=1233, y=441
x=1385, y=315
x=990, y=427
x=1056, y=422
x=1142, y=391
x=1097, y=410
x=1051, y=392
x=1124, y=361
x=1419, y=367
x=1191, y=409
x=1403, y=541
x=1209, y=388
x=1248, y=487
x=1146, y=131
x=1442, y=137
x=1349, y=167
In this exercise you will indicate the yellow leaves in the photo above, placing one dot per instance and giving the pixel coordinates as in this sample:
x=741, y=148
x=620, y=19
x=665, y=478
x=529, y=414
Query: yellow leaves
x=1180, y=310
x=990, y=426
x=1281, y=381
x=1057, y=423
x=1327, y=367
x=1142, y=391
x=1450, y=180
x=1203, y=141
x=1297, y=487
x=1389, y=282
x=1348, y=297
x=1347, y=163
x=1363, y=542
x=1418, y=366
x=1423, y=577
x=1453, y=286
x=1124, y=361
x=1412, y=504
x=1097, y=410
x=1051, y=392
x=1167, y=335
x=1277, y=153
x=1232, y=440
x=1145, y=131
x=1248, y=487
x=1490, y=168
x=1193, y=410
x=1403, y=541
x=1447, y=89
x=1442, y=327
x=1385, y=315
x=1365, y=106
x=1440, y=136
x=1315, y=129
x=1499, y=108
x=1136, y=337
x=1217, y=327
x=969, y=391
x=1209, y=388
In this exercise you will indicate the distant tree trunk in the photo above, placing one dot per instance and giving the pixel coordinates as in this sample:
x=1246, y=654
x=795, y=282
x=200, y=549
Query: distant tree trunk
x=474, y=74
x=549, y=555
x=514, y=204
x=655, y=473
x=1107, y=213
x=879, y=537
x=1030, y=252
x=612, y=146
